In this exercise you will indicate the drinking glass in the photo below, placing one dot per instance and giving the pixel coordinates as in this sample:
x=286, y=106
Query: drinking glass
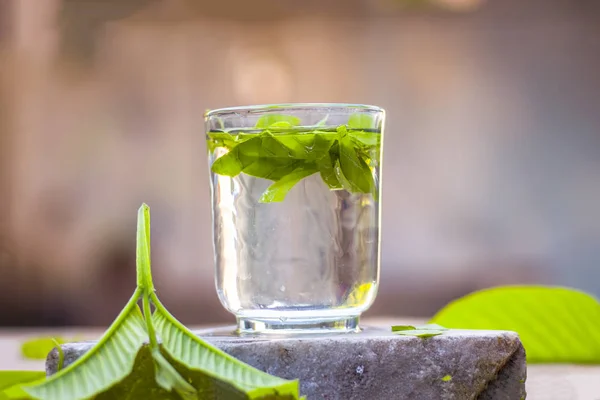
x=295, y=192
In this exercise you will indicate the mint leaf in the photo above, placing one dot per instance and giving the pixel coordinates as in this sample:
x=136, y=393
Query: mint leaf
x=277, y=191
x=555, y=324
x=269, y=120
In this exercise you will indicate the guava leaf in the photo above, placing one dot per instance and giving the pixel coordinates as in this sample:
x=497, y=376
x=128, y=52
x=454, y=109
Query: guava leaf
x=228, y=164
x=422, y=333
x=356, y=171
x=11, y=382
x=108, y=362
x=38, y=348
x=277, y=191
x=365, y=139
x=399, y=328
x=140, y=383
x=169, y=379
x=268, y=120
x=327, y=171
x=299, y=146
x=555, y=324
x=219, y=373
x=361, y=121
x=273, y=169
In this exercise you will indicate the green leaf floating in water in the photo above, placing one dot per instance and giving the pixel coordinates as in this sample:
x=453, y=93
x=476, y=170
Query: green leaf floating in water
x=278, y=120
x=278, y=190
x=556, y=325
x=346, y=157
x=361, y=121
x=128, y=362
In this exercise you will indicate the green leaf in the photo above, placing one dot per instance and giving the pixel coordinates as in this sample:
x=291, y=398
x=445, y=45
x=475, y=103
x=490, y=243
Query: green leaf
x=142, y=252
x=365, y=139
x=277, y=191
x=432, y=327
x=326, y=166
x=361, y=121
x=345, y=158
x=11, y=378
x=296, y=146
x=10, y=381
x=220, y=139
x=556, y=325
x=262, y=156
x=219, y=372
x=140, y=384
x=108, y=362
x=38, y=348
x=269, y=120
x=323, y=121
x=169, y=379
x=272, y=168
x=447, y=378
x=228, y=164
x=398, y=328
x=61, y=356
x=422, y=333
x=321, y=145
x=355, y=170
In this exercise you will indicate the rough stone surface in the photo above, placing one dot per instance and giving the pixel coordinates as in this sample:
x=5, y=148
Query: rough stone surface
x=377, y=364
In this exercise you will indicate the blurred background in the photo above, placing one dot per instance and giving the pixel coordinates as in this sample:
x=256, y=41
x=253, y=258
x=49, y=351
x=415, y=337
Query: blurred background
x=492, y=167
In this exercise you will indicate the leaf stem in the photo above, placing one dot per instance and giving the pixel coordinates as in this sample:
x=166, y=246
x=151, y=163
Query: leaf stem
x=144, y=274
x=149, y=323
x=61, y=355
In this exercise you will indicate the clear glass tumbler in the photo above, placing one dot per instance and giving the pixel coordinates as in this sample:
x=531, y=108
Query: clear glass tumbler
x=295, y=199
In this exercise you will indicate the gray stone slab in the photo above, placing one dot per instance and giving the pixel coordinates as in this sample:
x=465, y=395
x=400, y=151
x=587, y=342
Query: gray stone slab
x=377, y=364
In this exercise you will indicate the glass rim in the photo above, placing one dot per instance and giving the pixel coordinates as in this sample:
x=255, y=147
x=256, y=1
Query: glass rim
x=265, y=108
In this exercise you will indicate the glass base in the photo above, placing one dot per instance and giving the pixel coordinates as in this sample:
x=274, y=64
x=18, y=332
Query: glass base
x=297, y=326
